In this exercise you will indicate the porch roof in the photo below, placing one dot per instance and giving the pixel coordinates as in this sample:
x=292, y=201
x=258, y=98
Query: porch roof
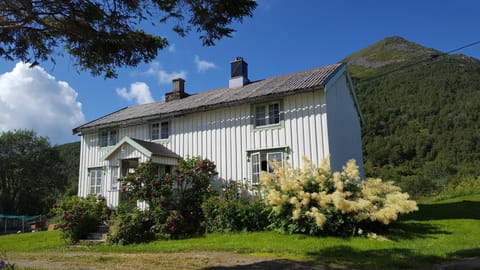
x=149, y=149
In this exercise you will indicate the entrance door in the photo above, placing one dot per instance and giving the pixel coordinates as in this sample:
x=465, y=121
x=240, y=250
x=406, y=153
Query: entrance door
x=126, y=166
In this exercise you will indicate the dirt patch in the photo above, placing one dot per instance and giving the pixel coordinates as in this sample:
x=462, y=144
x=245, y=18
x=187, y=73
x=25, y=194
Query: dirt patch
x=182, y=260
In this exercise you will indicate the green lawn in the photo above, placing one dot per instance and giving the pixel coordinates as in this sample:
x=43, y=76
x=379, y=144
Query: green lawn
x=440, y=231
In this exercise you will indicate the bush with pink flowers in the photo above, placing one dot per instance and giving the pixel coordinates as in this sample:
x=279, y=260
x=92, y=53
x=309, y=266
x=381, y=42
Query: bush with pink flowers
x=173, y=201
x=81, y=216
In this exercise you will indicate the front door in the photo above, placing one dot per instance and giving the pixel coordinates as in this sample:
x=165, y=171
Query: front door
x=126, y=166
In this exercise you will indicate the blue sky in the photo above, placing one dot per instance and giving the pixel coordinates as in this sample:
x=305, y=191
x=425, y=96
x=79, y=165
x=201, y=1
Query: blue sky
x=282, y=37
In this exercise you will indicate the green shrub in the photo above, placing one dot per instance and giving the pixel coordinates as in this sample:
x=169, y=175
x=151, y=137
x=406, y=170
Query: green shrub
x=314, y=201
x=81, y=216
x=233, y=210
x=461, y=186
x=130, y=225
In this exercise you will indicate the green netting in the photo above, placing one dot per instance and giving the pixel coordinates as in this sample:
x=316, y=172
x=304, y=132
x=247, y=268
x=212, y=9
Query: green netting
x=16, y=223
x=26, y=218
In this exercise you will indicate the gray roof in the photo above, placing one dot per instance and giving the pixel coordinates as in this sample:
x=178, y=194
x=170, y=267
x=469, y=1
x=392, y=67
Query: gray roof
x=256, y=91
x=157, y=149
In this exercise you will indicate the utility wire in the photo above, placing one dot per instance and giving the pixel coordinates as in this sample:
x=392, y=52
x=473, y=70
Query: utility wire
x=431, y=57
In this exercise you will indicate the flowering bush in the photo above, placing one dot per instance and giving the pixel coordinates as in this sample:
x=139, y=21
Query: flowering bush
x=81, y=216
x=192, y=178
x=315, y=201
x=173, y=224
x=173, y=201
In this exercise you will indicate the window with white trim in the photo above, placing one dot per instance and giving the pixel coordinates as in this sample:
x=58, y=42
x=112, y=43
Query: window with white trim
x=108, y=137
x=95, y=176
x=115, y=177
x=260, y=162
x=267, y=114
x=160, y=130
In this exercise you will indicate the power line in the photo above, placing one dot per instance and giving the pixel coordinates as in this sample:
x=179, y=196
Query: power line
x=431, y=57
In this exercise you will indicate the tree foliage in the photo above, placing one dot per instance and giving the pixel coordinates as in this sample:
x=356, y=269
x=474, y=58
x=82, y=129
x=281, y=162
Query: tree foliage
x=421, y=123
x=29, y=179
x=69, y=154
x=104, y=35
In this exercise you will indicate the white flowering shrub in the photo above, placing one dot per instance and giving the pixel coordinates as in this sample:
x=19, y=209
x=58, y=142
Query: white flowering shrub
x=315, y=201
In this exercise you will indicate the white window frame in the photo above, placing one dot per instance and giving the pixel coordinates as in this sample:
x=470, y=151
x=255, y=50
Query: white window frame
x=108, y=137
x=95, y=178
x=157, y=130
x=115, y=175
x=269, y=154
x=256, y=167
x=270, y=116
x=256, y=159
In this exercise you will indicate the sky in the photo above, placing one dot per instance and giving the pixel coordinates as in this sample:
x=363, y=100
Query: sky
x=282, y=37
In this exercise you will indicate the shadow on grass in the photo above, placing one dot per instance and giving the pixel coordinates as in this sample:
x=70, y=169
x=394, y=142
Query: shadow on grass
x=346, y=257
x=456, y=210
x=393, y=258
x=413, y=230
x=273, y=264
x=466, y=253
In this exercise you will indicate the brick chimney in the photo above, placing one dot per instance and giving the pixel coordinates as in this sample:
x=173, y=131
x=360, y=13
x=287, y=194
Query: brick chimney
x=239, y=73
x=178, y=90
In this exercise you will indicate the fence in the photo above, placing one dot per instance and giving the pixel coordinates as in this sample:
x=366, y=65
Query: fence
x=14, y=224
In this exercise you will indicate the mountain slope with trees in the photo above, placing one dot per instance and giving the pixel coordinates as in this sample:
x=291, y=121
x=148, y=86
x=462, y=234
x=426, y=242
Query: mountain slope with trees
x=421, y=113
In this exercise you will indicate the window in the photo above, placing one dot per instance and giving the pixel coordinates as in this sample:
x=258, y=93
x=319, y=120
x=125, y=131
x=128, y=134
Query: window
x=96, y=181
x=108, y=137
x=160, y=131
x=267, y=114
x=260, y=162
x=115, y=172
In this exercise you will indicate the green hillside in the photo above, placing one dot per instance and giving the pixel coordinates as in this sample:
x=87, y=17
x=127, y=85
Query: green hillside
x=421, y=109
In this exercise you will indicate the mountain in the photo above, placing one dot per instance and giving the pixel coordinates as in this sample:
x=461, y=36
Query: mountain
x=421, y=110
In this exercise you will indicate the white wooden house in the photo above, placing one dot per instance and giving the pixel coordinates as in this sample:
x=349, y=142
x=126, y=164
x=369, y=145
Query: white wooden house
x=313, y=113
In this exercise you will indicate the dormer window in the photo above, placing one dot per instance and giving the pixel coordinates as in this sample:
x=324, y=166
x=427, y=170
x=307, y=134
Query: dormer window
x=108, y=137
x=160, y=131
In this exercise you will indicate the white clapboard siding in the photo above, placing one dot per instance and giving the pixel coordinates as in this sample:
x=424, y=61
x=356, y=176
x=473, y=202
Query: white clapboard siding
x=315, y=124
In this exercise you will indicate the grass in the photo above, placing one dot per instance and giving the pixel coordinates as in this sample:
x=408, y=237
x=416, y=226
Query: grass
x=440, y=231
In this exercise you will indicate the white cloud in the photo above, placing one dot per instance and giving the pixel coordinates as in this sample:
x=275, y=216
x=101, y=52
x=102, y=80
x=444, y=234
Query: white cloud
x=167, y=77
x=138, y=91
x=171, y=48
x=30, y=98
x=163, y=76
x=203, y=65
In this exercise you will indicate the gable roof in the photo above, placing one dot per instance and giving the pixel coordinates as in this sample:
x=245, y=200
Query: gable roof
x=149, y=149
x=257, y=91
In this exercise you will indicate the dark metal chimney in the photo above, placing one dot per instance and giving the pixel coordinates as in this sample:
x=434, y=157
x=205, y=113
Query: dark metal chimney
x=239, y=73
